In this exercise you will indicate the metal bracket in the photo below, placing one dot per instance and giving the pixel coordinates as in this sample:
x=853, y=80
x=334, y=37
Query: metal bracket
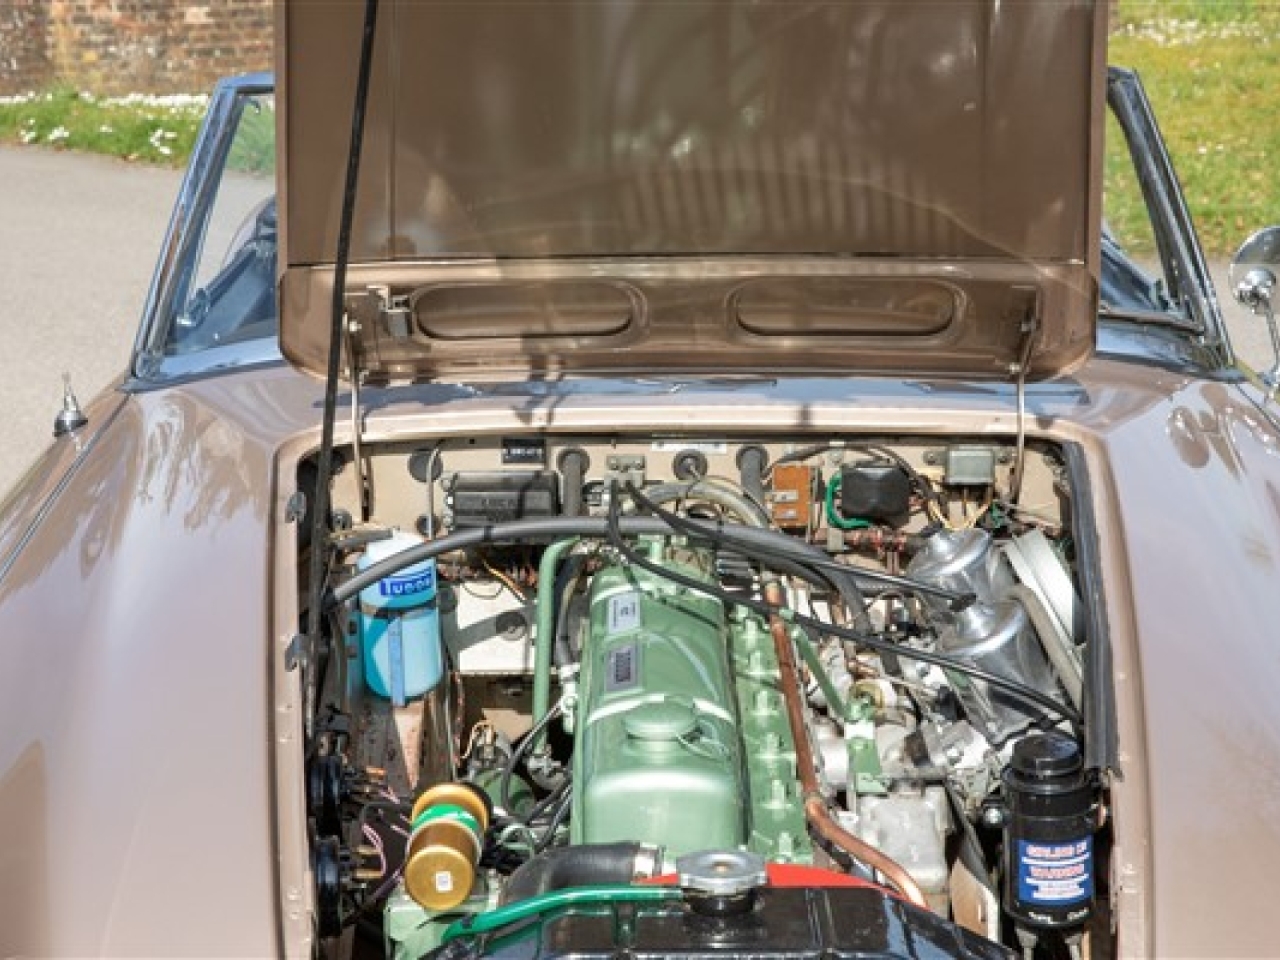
x=295, y=654
x=296, y=507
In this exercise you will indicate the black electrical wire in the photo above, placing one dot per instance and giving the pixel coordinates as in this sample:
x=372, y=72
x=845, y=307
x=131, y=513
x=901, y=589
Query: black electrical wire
x=504, y=785
x=324, y=472
x=557, y=818
x=1012, y=688
x=797, y=552
x=548, y=802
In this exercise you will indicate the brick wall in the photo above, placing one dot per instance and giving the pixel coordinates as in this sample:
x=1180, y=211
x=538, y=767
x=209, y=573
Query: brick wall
x=24, y=61
x=126, y=46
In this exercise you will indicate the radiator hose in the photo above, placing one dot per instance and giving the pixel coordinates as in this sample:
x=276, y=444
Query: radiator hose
x=587, y=864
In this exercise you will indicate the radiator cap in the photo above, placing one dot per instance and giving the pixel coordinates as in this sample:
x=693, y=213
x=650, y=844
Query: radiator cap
x=721, y=882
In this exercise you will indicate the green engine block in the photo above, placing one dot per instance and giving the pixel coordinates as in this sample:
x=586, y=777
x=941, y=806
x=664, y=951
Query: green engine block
x=682, y=739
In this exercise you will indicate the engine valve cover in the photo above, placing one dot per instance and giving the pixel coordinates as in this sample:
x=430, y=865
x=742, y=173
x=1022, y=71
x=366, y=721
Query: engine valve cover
x=658, y=756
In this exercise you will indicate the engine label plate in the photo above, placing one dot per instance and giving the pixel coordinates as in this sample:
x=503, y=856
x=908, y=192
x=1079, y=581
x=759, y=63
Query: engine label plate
x=623, y=613
x=624, y=668
x=524, y=450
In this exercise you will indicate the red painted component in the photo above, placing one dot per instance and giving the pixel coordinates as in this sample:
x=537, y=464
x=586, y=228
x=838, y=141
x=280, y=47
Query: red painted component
x=793, y=875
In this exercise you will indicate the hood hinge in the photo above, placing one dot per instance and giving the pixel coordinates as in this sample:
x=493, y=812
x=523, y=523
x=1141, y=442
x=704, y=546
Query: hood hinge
x=393, y=312
x=389, y=314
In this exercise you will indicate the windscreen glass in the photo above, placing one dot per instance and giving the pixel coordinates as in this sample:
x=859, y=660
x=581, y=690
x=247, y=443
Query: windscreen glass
x=228, y=293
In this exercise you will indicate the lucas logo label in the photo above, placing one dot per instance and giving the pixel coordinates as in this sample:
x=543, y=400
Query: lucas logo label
x=408, y=586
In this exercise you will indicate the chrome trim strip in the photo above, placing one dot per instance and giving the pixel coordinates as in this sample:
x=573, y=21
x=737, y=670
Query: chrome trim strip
x=165, y=371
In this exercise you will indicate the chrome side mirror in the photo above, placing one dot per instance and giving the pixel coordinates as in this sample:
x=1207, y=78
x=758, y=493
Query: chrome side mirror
x=1254, y=271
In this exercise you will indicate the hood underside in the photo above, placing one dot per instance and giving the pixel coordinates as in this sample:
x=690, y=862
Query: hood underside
x=882, y=187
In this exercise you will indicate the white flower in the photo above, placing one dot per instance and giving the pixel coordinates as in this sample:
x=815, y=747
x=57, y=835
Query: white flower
x=1173, y=32
x=57, y=135
x=174, y=102
x=106, y=128
x=28, y=136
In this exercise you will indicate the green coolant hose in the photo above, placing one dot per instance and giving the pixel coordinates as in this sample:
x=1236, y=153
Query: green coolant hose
x=545, y=627
x=482, y=923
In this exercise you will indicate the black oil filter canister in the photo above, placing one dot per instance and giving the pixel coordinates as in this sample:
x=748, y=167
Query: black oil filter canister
x=1048, y=834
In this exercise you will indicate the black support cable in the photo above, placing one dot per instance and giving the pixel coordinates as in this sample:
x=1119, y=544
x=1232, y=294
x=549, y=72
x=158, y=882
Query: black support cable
x=324, y=472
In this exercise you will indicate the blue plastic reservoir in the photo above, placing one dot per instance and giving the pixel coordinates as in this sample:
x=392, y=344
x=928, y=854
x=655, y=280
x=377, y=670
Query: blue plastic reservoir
x=400, y=625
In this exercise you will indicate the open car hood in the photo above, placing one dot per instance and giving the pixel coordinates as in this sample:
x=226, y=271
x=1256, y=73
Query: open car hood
x=897, y=187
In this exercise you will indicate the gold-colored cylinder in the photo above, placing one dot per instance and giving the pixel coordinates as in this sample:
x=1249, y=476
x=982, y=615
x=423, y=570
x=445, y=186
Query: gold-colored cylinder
x=450, y=821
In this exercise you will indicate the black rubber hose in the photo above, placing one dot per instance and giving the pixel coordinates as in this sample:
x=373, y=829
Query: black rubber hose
x=573, y=470
x=751, y=463
x=1013, y=688
x=566, y=577
x=517, y=530
x=769, y=545
x=584, y=865
x=754, y=539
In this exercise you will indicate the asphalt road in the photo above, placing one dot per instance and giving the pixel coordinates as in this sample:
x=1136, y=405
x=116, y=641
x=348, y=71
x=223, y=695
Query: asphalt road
x=79, y=236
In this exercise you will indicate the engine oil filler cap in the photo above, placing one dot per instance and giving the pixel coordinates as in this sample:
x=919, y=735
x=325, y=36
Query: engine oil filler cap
x=721, y=883
x=662, y=721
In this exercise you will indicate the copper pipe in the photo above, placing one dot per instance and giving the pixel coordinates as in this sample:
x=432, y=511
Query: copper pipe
x=815, y=805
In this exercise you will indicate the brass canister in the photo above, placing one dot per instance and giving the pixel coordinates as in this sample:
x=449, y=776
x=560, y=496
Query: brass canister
x=447, y=835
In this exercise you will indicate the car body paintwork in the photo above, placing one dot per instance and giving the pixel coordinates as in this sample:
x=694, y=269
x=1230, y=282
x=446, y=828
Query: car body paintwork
x=148, y=783
x=150, y=780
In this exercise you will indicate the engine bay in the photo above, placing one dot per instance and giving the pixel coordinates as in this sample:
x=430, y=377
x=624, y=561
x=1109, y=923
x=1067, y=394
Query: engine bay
x=602, y=695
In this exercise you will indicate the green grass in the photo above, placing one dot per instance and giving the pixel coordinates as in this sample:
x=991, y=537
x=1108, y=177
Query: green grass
x=155, y=130
x=1212, y=71
x=254, y=147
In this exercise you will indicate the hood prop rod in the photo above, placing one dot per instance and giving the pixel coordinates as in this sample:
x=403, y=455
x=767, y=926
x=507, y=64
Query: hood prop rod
x=324, y=472
x=361, y=467
x=1030, y=327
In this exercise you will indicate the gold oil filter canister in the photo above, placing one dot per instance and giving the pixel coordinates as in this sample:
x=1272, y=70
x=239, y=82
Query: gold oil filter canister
x=445, y=840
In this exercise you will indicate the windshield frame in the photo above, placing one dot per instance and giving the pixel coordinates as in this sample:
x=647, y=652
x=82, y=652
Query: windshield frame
x=180, y=251
x=1179, y=247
